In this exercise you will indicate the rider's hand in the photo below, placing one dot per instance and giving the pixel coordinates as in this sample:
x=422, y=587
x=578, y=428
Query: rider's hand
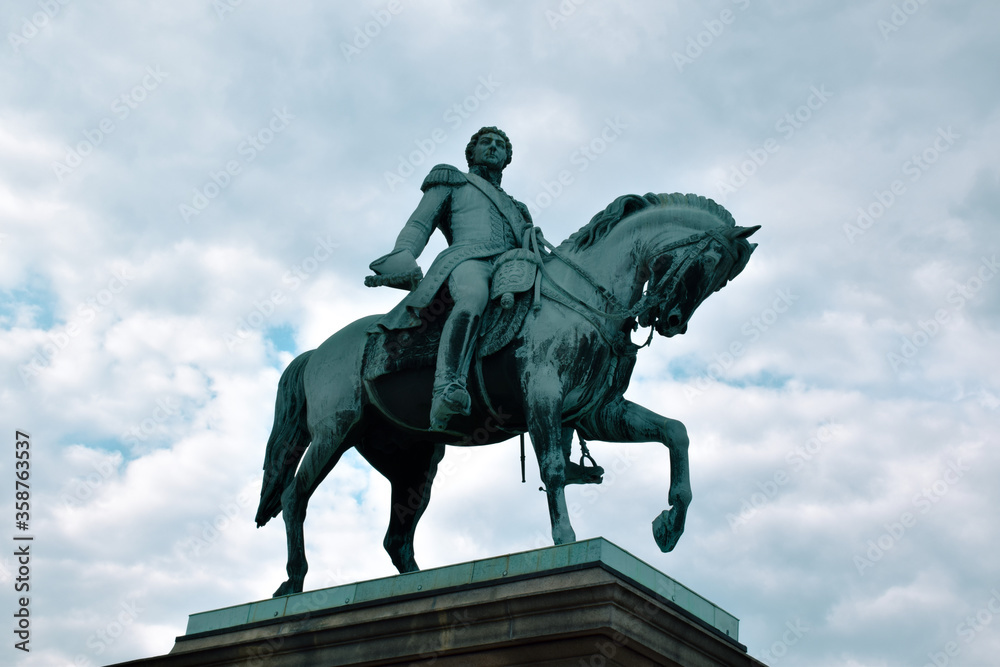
x=397, y=269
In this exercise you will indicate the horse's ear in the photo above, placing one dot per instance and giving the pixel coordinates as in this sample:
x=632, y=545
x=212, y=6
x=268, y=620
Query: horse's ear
x=742, y=232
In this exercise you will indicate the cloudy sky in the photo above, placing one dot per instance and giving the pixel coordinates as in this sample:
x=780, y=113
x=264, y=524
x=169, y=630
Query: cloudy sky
x=190, y=193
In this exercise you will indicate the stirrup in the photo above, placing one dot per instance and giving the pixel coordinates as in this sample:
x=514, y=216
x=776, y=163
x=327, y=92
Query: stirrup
x=582, y=473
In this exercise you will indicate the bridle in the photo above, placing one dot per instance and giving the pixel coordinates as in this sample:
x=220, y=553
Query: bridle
x=651, y=297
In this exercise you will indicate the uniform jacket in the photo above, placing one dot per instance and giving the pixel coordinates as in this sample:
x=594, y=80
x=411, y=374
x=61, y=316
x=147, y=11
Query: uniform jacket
x=479, y=221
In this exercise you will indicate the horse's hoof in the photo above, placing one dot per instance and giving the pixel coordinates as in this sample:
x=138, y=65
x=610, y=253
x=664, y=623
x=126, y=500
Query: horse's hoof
x=565, y=536
x=667, y=529
x=286, y=588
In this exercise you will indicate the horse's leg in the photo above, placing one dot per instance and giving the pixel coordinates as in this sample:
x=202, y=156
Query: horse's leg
x=624, y=421
x=293, y=512
x=411, y=470
x=322, y=455
x=543, y=405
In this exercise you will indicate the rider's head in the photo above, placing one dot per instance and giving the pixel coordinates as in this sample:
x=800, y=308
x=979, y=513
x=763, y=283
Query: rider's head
x=477, y=152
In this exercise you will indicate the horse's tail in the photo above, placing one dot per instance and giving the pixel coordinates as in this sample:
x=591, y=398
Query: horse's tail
x=288, y=441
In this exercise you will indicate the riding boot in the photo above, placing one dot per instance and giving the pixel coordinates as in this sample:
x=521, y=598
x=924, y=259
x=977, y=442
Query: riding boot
x=451, y=397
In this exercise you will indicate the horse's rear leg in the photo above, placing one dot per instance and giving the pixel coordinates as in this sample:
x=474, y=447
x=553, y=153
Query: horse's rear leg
x=293, y=511
x=411, y=470
x=322, y=455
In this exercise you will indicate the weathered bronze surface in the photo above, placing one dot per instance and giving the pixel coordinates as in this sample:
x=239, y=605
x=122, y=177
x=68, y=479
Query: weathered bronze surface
x=548, y=361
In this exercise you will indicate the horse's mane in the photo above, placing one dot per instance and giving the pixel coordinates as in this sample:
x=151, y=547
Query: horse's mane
x=602, y=223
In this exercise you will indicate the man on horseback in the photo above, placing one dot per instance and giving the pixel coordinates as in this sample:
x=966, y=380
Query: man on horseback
x=480, y=221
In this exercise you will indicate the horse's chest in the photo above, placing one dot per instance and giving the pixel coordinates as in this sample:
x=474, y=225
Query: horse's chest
x=589, y=381
x=583, y=364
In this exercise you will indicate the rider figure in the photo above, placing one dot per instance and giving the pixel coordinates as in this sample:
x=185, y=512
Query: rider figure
x=480, y=221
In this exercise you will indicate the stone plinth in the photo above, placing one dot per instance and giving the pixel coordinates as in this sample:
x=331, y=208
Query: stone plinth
x=581, y=604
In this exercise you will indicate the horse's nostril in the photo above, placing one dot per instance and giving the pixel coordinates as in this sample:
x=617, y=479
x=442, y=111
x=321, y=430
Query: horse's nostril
x=673, y=321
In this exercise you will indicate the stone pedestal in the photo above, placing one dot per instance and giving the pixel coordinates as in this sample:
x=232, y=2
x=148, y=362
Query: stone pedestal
x=583, y=604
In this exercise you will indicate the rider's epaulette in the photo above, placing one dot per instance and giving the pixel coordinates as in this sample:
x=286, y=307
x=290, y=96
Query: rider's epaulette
x=443, y=174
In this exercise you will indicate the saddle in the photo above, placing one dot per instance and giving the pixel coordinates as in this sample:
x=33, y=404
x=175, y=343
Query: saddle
x=398, y=366
x=514, y=274
x=408, y=356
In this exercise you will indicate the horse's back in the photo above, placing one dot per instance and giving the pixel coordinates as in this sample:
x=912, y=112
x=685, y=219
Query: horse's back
x=333, y=377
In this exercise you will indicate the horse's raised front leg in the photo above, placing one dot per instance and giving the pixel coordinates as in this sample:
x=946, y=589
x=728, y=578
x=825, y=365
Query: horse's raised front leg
x=624, y=421
x=543, y=405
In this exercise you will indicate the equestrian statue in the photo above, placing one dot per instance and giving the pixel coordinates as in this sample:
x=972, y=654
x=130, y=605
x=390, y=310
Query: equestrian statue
x=506, y=334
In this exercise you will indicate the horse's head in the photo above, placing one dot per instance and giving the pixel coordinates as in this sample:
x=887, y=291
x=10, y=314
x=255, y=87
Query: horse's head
x=681, y=276
x=686, y=247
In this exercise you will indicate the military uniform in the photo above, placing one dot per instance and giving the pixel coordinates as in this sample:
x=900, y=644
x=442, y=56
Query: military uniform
x=467, y=210
x=479, y=221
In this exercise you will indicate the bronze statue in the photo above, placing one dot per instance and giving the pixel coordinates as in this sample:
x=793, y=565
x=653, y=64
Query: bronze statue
x=480, y=221
x=548, y=361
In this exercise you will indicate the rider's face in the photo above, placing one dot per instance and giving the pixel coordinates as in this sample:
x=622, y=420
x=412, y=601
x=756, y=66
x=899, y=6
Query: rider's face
x=490, y=151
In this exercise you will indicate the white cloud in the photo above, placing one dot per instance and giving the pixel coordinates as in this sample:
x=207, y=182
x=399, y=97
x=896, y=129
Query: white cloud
x=152, y=393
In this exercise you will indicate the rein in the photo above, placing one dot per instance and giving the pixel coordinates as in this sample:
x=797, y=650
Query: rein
x=618, y=310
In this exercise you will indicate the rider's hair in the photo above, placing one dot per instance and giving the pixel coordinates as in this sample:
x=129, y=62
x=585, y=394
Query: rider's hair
x=488, y=130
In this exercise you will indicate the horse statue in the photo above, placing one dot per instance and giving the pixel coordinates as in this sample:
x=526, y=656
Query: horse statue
x=558, y=360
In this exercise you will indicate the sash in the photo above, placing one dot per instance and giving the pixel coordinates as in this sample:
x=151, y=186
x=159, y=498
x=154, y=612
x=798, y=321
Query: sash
x=502, y=201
